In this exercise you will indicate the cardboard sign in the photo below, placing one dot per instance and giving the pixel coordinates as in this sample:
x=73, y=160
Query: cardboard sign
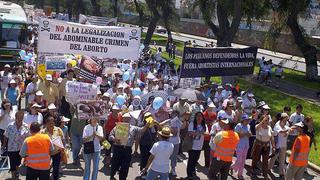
x=122, y=132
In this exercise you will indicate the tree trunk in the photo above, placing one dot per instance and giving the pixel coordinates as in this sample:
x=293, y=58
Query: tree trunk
x=140, y=12
x=79, y=8
x=151, y=27
x=96, y=8
x=69, y=8
x=115, y=8
x=309, y=52
x=57, y=6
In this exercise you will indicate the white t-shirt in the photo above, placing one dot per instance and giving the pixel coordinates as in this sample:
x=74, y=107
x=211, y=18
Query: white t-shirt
x=88, y=131
x=296, y=118
x=282, y=139
x=224, y=114
x=198, y=140
x=248, y=105
x=29, y=118
x=162, y=150
x=175, y=123
x=30, y=88
x=5, y=80
x=8, y=118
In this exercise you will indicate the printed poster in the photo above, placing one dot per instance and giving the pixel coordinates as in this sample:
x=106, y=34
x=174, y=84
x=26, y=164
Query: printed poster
x=122, y=132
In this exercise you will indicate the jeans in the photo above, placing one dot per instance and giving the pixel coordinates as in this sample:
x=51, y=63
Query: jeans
x=218, y=166
x=193, y=158
x=34, y=174
x=174, y=155
x=282, y=160
x=76, y=145
x=241, y=159
x=56, y=165
x=87, y=159
x=153, y=175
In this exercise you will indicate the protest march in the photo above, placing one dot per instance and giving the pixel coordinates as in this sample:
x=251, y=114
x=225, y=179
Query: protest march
x=95, y=94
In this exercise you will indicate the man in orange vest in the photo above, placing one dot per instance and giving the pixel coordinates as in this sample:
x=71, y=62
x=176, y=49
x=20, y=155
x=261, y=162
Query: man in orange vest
x=299, y=154
x=226, y=142
x=36, y=150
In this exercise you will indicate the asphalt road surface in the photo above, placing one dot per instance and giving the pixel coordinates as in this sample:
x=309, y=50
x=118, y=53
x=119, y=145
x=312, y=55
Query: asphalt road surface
x=72, y=172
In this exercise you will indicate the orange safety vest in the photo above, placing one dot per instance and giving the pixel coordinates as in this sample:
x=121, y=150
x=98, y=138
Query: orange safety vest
x=300, y=157
x=38, y=151
x=225, y=149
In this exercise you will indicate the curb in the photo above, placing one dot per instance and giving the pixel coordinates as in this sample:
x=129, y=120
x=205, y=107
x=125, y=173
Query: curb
x=311, y=166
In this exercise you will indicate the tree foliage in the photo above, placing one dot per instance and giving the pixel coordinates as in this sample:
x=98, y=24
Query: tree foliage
x=287, y=13
x=229, y=14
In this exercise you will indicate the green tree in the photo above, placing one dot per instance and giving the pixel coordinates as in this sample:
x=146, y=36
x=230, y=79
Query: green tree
x=287, y=13
x=170, y=17
x=96, y=7
x=230, y=10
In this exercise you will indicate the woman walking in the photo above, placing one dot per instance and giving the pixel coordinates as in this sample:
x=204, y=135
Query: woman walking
x=243, y=129
x=6, y=117
x=282, y=131
x=92, y=135
x=261, y=146
x=12, y=93
x=197, y=128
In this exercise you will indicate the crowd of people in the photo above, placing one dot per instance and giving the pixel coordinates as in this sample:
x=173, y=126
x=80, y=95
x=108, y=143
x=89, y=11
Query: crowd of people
x=224, y=122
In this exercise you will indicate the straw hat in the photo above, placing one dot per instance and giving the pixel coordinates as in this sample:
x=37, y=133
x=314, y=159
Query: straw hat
x=165, y=132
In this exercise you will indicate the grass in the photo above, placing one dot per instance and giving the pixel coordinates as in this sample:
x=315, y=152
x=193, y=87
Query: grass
x=298, y=78
x=277, y=100
x=162, y=41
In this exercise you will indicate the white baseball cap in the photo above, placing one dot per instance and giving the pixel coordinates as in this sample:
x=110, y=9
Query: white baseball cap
x=211, y=105
x=64, y=119
x=7, y=66
x=36, y=105
x=106, y=94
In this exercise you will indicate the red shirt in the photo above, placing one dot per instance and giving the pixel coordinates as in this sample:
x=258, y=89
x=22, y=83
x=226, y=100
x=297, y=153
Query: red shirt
x=209, y=118
x=111, y=122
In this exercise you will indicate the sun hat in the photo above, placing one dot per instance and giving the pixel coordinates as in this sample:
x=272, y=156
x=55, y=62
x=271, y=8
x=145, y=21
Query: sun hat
x=211, y=105
x=266, y=107
x=260, y=104
x=106, y=94
x=250, y=94
x=126, y=115
x=239, y=99
x=65, y=119
x=39, y=93
x=165, y=132
x=48, y=77
x=115, y=107
x=284, y=115
x=299, y=124
x=12, y=81
x=52, y=106
x=36, y=105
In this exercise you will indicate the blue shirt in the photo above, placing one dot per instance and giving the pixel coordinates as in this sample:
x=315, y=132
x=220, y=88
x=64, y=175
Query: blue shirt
x=244, y=141
x=12, y=94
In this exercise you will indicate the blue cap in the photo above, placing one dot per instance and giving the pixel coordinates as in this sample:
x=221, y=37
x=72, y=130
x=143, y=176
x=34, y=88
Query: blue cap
x=244, y=117
x=141, y=84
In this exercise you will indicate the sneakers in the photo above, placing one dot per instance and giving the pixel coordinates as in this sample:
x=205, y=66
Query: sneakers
x=173, y=172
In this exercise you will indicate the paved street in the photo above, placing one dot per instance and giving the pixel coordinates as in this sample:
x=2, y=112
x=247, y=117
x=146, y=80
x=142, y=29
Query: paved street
x=71, y=172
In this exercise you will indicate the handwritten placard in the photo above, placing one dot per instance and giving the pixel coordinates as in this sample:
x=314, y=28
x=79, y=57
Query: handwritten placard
x=122, y=132
x=79, y=91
